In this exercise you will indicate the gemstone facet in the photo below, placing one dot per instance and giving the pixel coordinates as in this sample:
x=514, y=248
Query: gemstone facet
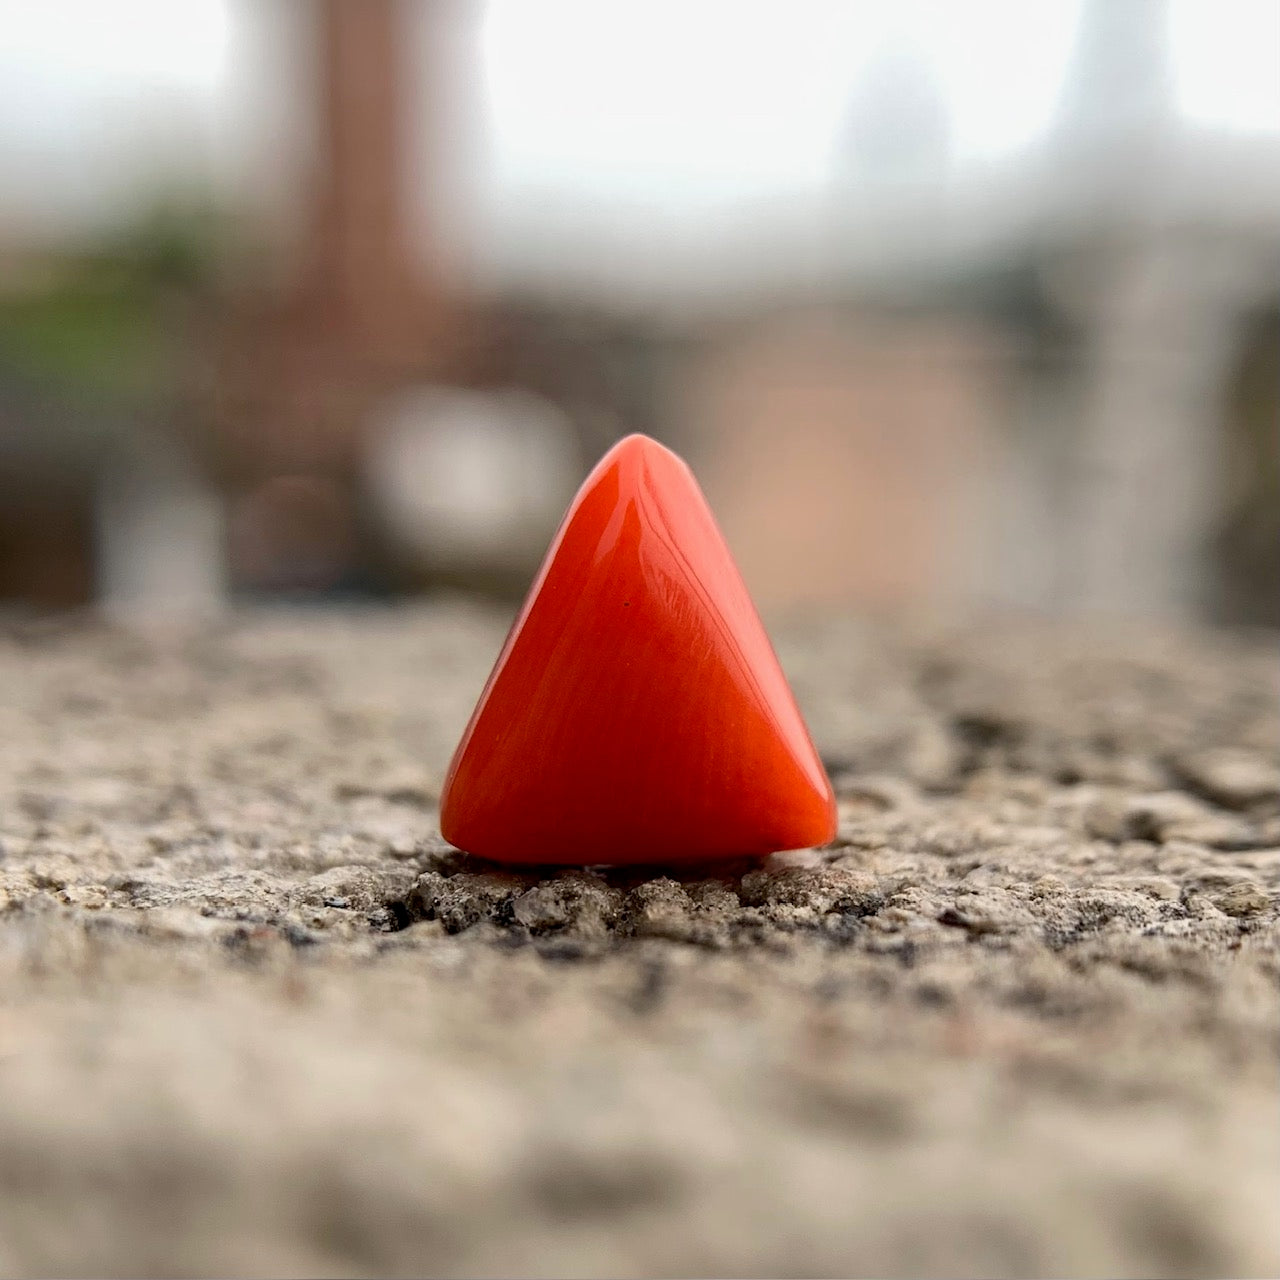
x=637, y=712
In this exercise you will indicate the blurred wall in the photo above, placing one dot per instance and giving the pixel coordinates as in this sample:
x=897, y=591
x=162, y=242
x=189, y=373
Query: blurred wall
x=844, y=454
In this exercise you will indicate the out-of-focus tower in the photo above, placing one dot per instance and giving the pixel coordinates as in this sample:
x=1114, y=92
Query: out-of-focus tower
x=363, y=263
x=305, y=362
x=1152, y=301
x=1119, y=85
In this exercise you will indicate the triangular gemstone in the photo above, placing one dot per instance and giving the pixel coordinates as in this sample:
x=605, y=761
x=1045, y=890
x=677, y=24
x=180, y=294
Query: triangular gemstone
x=637, y=712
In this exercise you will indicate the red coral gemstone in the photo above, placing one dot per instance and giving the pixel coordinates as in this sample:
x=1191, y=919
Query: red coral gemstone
x=637, y=712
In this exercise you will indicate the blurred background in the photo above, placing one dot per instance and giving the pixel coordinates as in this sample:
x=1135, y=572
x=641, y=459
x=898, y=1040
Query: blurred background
x=949, y=304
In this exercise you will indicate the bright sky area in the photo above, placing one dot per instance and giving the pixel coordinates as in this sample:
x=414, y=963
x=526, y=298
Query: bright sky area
x=703, y=101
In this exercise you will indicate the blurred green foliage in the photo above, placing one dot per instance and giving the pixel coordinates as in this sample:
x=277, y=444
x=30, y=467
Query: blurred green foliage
x=106, y=322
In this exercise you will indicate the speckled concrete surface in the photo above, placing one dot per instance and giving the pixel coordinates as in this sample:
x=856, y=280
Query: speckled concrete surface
x=1020, y=1019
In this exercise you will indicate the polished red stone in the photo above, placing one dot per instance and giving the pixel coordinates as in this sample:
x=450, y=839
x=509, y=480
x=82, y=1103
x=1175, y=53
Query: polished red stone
x=637, y=712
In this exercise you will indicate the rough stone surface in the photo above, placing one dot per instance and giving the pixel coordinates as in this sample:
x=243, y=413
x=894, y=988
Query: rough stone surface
x=1020, y=1018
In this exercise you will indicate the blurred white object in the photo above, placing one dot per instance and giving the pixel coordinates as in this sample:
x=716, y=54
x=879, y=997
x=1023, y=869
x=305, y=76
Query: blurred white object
x=464, y=480
x=160, y=540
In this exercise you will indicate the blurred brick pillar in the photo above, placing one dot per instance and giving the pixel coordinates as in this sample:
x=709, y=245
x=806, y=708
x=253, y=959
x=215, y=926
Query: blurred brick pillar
x=361, y=257
x=305, y=368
